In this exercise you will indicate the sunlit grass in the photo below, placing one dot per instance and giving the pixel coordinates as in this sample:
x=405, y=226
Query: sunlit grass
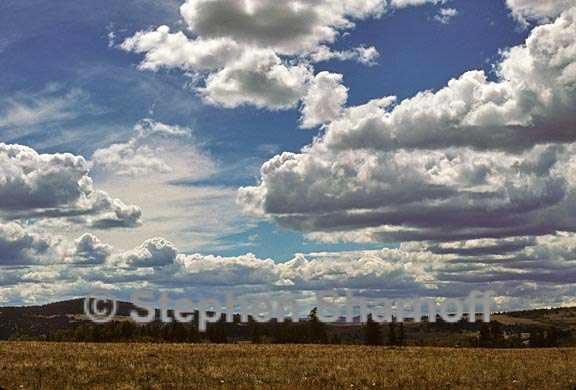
x=132, y=366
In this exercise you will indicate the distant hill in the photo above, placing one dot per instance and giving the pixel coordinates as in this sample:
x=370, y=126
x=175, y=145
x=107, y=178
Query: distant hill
x=564, y=318
x=40, y=321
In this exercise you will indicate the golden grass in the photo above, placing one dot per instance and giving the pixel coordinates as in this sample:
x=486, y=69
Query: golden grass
x=205, y=366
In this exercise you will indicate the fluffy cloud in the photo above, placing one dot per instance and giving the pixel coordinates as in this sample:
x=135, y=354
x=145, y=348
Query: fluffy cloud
x=537, y=10
x=158, y=263
x=29, y=180
x=259, y=78
x=113, y=213
x=36, y=185
x=175, y=50
x=257, y=52
x=516, y=269
x=156, y=252
x=477, y=159
x=398, y=196
x=324, y=100
x=88, y=249
x=287, y=27
x=389, y=269
x=239, y=75
x=25, y=245
x=531, y=103
x=237, y=271
x=19, y=246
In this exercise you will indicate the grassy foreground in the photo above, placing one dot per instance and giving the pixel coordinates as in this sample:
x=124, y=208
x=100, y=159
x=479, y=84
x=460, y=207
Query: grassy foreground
x=132, y=366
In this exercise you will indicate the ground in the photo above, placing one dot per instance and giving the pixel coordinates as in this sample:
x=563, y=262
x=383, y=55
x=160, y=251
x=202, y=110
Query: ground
x=168, y=366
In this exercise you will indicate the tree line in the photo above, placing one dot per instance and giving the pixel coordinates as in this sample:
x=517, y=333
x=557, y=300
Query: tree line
x=310, y=331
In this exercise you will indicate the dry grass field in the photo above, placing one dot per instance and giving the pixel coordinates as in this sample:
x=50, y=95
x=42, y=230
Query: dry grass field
x=205, y=366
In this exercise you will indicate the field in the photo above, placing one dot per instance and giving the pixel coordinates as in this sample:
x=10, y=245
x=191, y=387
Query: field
x=168, y=366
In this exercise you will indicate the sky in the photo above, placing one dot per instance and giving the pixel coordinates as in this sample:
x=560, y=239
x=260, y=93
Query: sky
x=395, y=147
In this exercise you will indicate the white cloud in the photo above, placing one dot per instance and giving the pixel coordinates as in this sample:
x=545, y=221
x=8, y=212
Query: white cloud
x=535, y=91
x=412, y=3
x=176, y=50
x=28, y=245
x=477, y=159
x=158, y=263
x=19, y=246
x=162, y=168
x=46, y=106
x=156, y=252
x=257, y=52
x=36, y=185
x=88, y=249
x=286, y=27
x=516, y=269
x=259, y=78
x=324, y=100
x=540, y=11
x=445, y=15
x=361, y=54
x=154, y=149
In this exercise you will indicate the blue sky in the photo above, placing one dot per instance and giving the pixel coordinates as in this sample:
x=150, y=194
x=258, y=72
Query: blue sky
x=67, y=48
x=71, y=83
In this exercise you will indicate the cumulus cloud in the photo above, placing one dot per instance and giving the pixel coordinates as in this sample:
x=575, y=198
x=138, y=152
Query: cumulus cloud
x=257, y=52
x=239, y=75
x=25, y=245
x=540, y=11
x=409, y=196
x=324, y=100
x=477, y=159
x=19, y=246
x=88, y=249
x=545, y=260
x=34, y=185
x=380, y=270
x=156, y=252
x=224, y=271
x=31, y=181
x=87, y=261
x=259, y=78
x=113, y=213
x=531, y=103
x=175, y=50
x=287, y=27
x=516, y=269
